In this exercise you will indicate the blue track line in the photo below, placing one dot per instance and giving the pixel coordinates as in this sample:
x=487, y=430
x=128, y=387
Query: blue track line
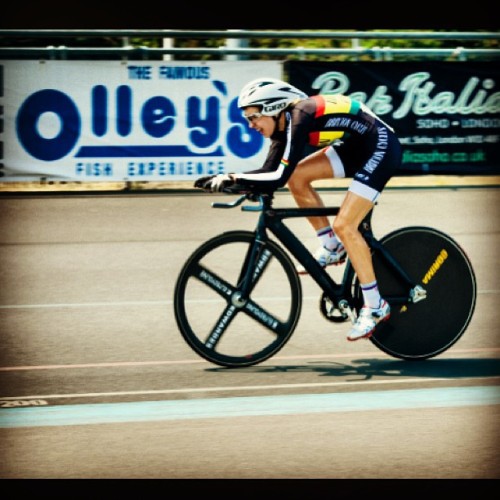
x=150, y=411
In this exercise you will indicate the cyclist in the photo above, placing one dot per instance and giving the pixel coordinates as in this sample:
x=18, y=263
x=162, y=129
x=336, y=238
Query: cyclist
x=351, y=141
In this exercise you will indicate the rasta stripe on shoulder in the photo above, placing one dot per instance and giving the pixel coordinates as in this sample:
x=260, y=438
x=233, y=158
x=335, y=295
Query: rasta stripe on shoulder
x=335, y=103
x=355, y=106
x=320, y=105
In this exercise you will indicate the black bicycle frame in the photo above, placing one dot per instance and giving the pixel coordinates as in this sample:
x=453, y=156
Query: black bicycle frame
x=272, y=219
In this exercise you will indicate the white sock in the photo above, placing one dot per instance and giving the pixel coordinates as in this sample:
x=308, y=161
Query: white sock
x=327, y=238
x=371, y=295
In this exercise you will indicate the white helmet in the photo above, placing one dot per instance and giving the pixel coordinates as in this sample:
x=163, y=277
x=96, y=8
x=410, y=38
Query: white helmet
x=272, y=94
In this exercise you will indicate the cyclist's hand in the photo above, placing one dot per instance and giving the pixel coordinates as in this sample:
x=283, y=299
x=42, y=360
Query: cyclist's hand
x=214, y=183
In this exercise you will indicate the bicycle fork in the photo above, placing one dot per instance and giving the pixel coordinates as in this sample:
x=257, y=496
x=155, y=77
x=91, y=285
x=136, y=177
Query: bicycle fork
x=254, y=264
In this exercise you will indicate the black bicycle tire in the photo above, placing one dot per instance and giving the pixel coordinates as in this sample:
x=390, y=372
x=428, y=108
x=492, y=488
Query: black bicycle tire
x=192, y=338
x=422, y=330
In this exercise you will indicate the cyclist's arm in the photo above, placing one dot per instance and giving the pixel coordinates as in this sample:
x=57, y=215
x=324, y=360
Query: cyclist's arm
x=283, y=156
x=267, y=177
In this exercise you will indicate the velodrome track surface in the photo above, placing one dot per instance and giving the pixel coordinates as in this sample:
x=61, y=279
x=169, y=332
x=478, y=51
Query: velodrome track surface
x=96, y=381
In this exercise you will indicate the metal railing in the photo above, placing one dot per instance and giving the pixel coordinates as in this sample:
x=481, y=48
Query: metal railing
x=147, y=33
x=9, y=50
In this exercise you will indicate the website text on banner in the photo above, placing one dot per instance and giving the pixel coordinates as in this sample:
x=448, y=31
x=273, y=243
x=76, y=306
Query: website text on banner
x=446, y=114
x=126, y=121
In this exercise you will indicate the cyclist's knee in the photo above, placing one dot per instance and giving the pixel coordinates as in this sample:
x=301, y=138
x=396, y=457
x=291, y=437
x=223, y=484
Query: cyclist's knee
x=343, y=227
x=339, y=225
x=298, y=182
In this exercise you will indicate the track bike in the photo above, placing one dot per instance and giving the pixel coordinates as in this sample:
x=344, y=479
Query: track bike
x=238, y=297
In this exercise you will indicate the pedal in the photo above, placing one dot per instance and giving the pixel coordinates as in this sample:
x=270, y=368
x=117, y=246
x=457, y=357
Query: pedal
x=347, y=311
x=330, y=312
x=417, y=294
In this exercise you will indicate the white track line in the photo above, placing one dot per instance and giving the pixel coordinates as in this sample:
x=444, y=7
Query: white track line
x=194, y=390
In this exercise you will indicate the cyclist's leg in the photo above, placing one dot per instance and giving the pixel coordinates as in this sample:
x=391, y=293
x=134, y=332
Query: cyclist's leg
x=368, y=183
x=375, y=309
x=323, y=164
x=353, y=210
x=370, y=173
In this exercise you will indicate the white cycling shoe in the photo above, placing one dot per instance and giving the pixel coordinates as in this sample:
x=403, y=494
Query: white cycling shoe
x=326, y=257
x=367, y=321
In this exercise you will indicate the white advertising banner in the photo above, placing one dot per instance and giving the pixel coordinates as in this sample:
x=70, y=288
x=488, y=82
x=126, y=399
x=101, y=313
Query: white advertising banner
x=127, y=120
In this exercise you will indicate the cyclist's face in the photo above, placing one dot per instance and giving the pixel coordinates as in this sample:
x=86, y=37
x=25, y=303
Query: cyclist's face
x=263, y=124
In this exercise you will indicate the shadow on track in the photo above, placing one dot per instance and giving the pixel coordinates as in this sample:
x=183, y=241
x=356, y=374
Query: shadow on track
x=368, y=368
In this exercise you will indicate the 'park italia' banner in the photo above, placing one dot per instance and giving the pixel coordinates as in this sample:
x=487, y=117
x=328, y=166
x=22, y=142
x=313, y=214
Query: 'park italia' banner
x=446, y=114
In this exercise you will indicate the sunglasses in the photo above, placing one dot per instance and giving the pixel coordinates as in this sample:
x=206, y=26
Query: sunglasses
x=253, y=117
